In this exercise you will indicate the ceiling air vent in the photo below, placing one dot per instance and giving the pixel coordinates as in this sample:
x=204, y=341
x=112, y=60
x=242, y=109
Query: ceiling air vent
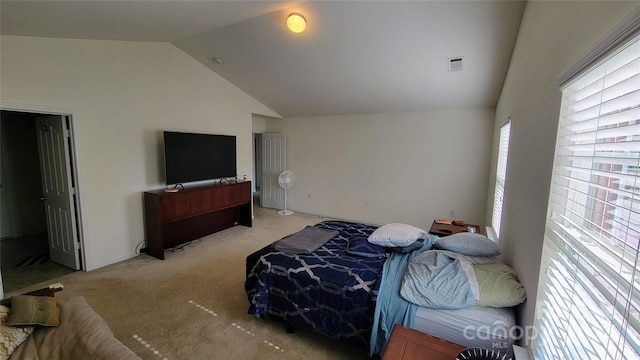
x=455, y=64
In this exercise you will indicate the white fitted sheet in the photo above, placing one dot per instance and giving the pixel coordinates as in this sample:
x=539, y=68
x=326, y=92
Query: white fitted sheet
x=476, y=326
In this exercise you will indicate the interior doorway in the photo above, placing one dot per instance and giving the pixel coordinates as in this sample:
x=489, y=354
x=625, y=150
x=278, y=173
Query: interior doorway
x=257, y=168
x=274, y=162
x=25, y=236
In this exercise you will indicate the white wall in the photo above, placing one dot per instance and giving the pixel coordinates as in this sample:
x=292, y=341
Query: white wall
x=382, y=168
x=121, y=96
x=552, y=36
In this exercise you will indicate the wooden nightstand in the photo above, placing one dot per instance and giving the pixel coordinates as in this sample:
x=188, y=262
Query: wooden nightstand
x=449, y=229
x=409, y=344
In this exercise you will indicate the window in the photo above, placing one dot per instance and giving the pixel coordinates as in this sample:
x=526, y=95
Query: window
x=588, y=302
x=501, y=174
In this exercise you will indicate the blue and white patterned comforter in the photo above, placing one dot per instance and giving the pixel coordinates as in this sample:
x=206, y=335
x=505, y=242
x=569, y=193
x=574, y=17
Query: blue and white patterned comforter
x=329, y=291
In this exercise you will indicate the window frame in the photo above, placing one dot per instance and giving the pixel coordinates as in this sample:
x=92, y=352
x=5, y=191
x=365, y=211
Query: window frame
x=501, y=178
x=583, y=273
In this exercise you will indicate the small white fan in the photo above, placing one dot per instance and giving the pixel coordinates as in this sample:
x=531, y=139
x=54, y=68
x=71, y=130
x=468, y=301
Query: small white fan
x=286, y=180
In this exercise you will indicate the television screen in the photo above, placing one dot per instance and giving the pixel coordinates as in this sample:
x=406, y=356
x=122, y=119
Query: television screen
x=196, y=157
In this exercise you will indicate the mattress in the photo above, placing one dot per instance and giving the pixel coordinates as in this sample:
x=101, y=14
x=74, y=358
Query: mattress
x=476, y=326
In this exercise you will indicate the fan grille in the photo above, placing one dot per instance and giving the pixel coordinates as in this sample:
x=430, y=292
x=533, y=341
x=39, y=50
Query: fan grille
x=287, y=179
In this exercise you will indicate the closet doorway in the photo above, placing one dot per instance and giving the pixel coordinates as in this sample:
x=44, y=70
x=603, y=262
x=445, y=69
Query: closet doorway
x=40, y=237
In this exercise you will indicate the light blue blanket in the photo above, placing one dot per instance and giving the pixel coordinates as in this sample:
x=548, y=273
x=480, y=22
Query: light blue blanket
x=439, y=280
x=392, y=309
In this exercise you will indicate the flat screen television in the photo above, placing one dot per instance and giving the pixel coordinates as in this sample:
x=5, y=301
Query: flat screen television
x=192, y=157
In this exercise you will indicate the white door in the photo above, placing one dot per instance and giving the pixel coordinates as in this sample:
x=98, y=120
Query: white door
x=57, y=190
x=274, y=161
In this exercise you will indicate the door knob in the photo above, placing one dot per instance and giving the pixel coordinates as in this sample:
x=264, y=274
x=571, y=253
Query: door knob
x=44, y=198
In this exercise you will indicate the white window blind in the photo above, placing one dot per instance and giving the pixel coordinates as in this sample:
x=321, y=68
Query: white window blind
x=588, y=302
x=501, y=173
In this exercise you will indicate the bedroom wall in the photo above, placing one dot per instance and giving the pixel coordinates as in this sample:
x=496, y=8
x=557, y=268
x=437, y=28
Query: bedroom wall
x=121, y=96
x=383, y=168
x=546, y=46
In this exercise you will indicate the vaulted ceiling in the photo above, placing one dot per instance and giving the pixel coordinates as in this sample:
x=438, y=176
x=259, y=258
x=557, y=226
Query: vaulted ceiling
x=355, y=57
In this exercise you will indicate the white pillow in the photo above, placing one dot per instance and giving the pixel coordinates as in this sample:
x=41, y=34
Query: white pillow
x=499, y=285
x=395, y=235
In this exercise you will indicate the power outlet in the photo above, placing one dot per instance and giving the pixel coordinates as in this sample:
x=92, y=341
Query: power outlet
x=452, y=213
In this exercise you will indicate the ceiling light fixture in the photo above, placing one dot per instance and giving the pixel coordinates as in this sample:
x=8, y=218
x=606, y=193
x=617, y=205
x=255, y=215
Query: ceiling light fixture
x=296, y=22
x=217, y=60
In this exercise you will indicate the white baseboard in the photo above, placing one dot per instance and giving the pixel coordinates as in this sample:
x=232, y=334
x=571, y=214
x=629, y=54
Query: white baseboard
x=520, y=353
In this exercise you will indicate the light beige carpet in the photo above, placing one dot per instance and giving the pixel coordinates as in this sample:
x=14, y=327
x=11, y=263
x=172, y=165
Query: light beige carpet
x=193, y=305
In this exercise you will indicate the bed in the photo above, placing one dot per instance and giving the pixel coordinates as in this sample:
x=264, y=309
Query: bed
x=356, y=295
x=328, y=291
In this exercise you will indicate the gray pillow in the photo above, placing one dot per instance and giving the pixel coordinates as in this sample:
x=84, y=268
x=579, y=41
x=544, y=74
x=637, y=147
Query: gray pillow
x=468, y=244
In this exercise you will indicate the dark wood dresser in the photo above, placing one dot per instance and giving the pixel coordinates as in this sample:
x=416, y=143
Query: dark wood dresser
x=174, y=218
